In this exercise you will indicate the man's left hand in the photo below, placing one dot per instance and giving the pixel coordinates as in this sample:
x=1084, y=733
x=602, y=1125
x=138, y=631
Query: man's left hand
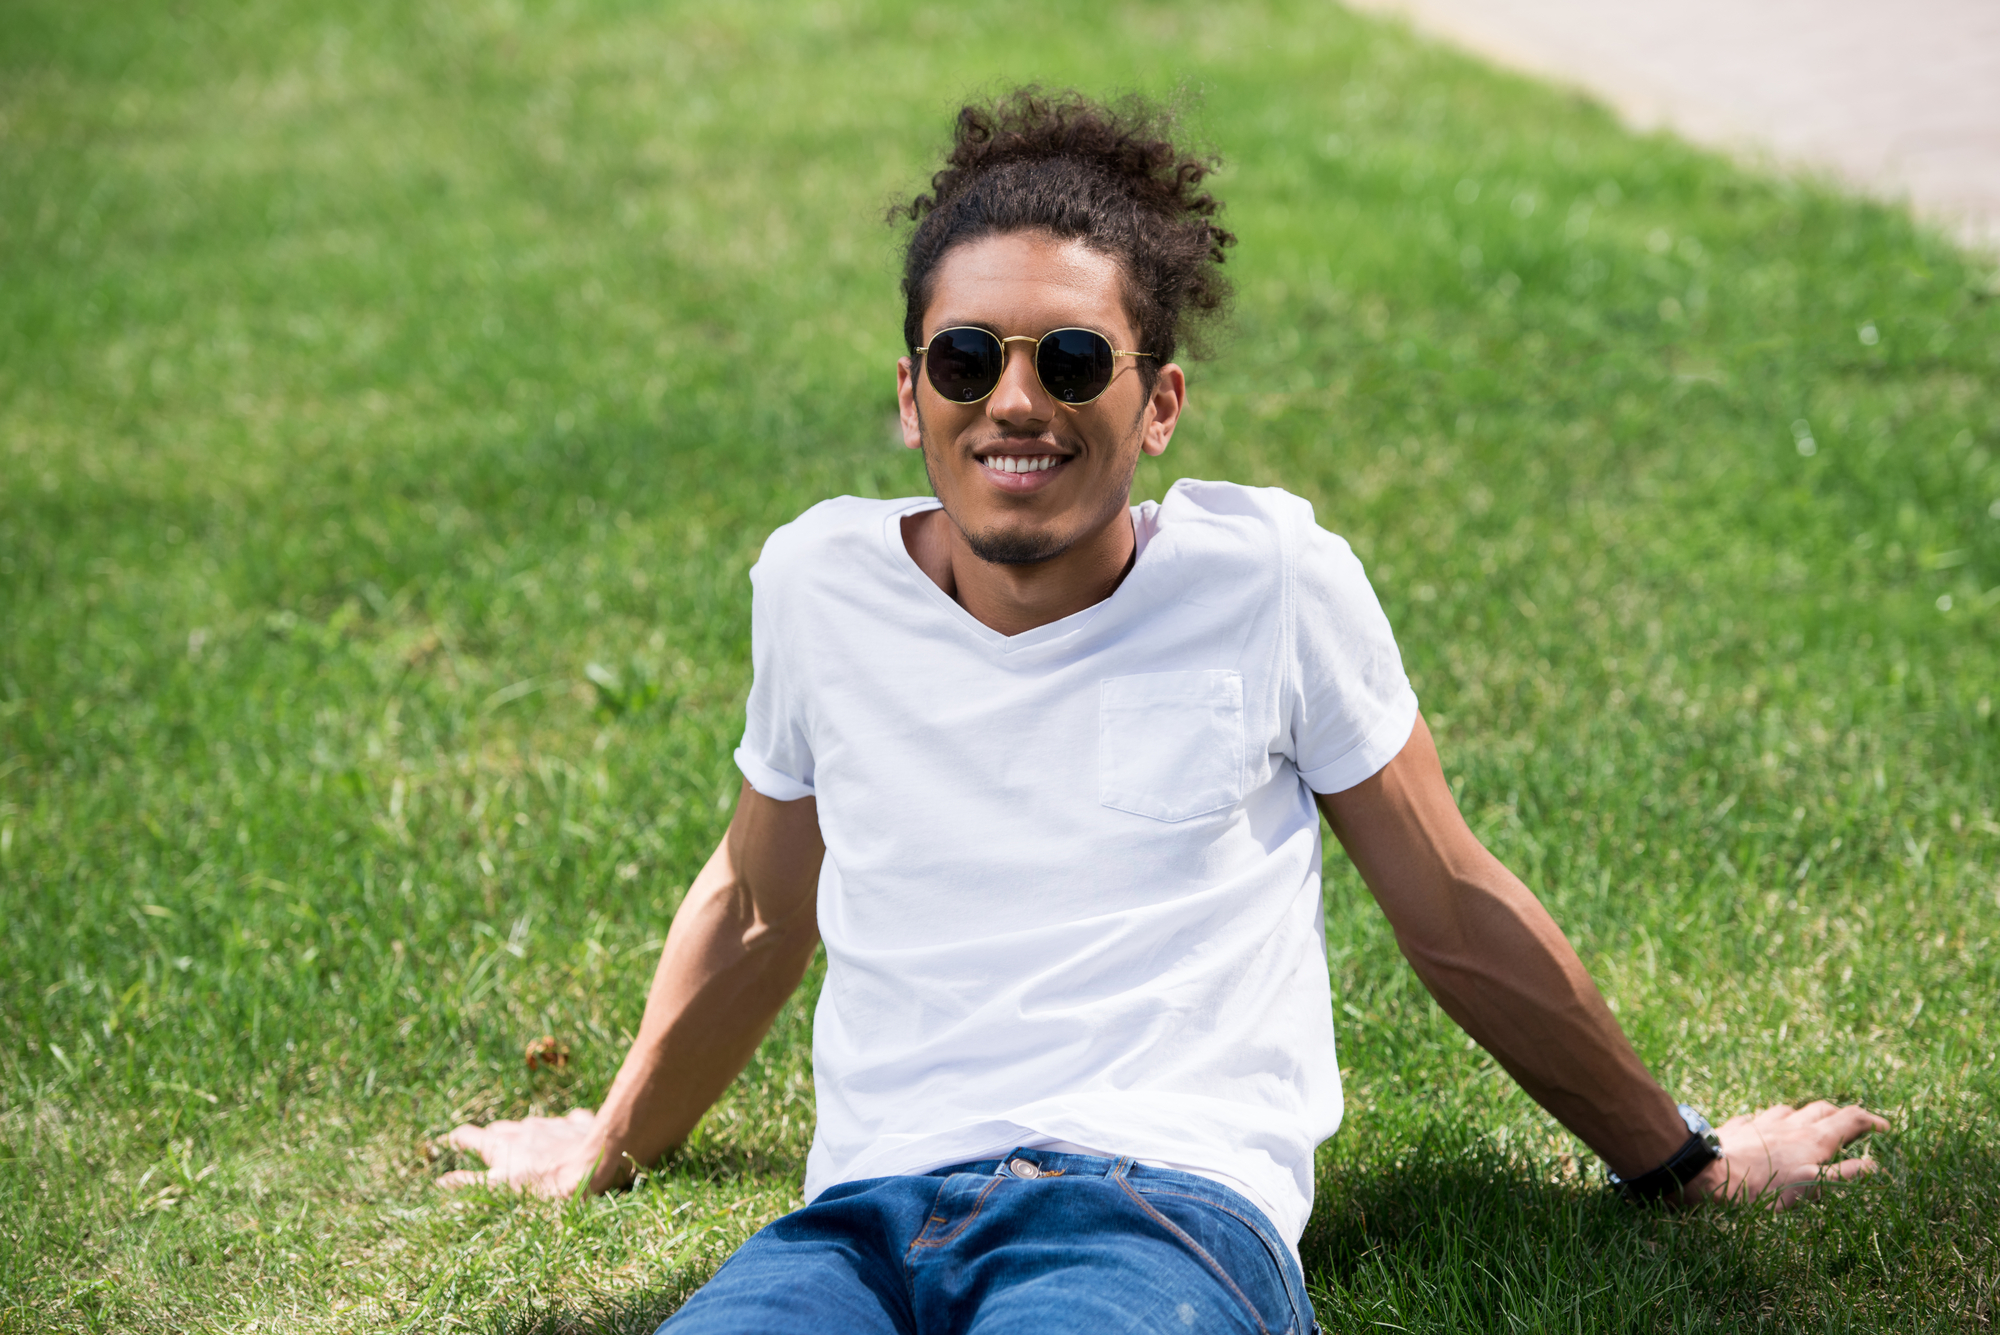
x=1784, y=1153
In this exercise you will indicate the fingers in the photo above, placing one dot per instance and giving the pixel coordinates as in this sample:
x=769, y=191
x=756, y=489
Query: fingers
x=499, y=1137
x=1853, y=1122
x=460, y=1178
x=491, y=1143
x=1782, y=1155
x=476, y=1139
x=1845, y=1170
x=545, y=1156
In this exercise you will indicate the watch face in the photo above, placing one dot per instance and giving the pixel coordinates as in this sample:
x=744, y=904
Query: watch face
x=1702, y=1149
x=1696, y=1123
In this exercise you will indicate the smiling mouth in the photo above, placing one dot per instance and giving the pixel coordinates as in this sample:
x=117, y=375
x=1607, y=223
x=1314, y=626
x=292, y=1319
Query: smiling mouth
x=1023, y=463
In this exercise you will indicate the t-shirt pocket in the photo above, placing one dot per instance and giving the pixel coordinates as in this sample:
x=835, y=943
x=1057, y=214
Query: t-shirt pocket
x=1170, y=744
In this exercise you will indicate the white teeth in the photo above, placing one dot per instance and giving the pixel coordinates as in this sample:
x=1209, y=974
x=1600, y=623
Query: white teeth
x=1007, y=463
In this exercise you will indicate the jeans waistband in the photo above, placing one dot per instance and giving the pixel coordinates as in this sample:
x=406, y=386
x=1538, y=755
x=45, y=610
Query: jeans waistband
x=1056, y=1163
x=1029, y=1163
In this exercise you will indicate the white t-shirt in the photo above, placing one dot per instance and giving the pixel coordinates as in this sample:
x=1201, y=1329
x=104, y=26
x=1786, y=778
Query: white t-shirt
x=1071, y=891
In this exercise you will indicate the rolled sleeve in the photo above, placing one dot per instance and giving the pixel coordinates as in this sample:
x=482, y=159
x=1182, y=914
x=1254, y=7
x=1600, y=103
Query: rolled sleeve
x=768, y=781
x=1353, y=708
x=1367, y=759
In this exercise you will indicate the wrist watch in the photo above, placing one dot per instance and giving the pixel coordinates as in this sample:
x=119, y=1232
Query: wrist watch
x=1703, y=1147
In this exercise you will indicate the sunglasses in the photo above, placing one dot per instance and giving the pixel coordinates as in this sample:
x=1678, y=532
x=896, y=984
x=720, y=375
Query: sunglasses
x=1074, y=365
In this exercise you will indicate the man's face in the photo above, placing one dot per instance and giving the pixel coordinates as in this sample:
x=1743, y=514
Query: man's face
x=1023, y=476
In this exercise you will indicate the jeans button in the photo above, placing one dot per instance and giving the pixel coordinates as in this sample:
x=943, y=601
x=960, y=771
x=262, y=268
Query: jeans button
x=1022, y=1168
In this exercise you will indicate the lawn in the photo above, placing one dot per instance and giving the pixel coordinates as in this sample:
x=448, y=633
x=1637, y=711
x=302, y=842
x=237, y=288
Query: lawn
x=393, y=398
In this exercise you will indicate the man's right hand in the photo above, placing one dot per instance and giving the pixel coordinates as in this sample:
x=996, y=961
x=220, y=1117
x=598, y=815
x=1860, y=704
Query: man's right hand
x=545, y=1156
x=739, y=944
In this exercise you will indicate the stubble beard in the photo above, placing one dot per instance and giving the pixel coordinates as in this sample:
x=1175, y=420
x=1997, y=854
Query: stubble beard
x=1012, y=548
x=1015, y=549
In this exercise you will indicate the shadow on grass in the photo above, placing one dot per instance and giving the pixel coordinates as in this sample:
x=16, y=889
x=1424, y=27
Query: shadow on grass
x=637, y=1313
x=1451, y=1235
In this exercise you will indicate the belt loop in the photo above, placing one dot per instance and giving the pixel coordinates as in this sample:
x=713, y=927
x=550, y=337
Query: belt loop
x=1119, y=1169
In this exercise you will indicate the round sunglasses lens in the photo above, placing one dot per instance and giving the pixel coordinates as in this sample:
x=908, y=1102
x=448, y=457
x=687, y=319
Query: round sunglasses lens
x=1074, y=364
x=963, y=364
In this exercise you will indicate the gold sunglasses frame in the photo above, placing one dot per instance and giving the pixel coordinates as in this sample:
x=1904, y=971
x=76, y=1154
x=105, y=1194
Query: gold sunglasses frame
x=1024, y=338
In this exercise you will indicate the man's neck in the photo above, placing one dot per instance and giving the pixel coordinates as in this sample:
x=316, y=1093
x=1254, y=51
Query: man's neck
x=1013, y=599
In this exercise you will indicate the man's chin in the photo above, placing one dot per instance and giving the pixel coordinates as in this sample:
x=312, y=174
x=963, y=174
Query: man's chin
x=1003, y=547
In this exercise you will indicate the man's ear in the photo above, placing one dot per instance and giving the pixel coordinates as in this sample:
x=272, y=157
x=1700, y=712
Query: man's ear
x=1163, y=409
x=906, y=404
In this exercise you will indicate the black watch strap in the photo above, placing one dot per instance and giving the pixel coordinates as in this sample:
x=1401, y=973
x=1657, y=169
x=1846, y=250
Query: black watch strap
x=1701, y=1149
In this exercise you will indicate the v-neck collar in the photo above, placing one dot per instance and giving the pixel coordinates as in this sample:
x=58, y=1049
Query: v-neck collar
x=906, y=566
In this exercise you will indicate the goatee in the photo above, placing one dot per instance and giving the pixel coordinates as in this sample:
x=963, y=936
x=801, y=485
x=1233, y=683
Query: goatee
x=1014, y=549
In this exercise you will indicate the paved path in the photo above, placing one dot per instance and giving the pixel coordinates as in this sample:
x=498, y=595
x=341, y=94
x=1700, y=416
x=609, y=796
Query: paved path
x=1899, y=97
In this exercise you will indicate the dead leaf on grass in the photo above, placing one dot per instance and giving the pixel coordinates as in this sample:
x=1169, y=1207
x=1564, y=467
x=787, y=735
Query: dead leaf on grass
x=546, y=1052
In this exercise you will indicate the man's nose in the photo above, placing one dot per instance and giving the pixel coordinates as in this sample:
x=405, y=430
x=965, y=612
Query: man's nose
x=1019, y=397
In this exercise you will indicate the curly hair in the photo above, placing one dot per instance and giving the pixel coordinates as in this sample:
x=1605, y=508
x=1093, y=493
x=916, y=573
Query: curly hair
x=1107, y=175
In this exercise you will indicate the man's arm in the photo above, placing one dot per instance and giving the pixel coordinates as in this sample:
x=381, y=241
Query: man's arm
x=737, y=948
x=1498, y=965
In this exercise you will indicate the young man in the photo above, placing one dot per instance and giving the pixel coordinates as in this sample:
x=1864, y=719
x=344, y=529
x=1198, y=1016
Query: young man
x=1044, y=771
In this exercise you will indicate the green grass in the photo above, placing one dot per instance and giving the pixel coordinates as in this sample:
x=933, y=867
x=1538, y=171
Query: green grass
x=369, y=371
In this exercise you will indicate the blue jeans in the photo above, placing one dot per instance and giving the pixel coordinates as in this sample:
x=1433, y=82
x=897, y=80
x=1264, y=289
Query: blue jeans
x=1036, y=1243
